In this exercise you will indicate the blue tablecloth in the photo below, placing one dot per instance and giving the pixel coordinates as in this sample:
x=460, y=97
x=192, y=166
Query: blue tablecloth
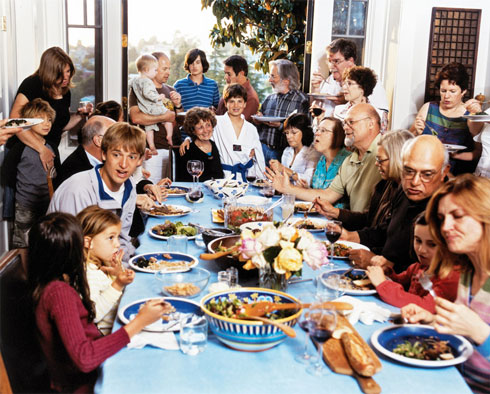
x=222, y=370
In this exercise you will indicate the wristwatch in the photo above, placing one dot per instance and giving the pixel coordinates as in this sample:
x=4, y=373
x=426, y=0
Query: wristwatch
x=179, y=107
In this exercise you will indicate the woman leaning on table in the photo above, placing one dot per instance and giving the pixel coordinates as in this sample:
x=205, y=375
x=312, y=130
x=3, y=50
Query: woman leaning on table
x=445, y=118
x=459, y=221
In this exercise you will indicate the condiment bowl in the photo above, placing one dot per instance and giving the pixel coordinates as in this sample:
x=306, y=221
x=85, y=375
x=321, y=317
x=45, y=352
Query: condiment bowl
x=188, y=284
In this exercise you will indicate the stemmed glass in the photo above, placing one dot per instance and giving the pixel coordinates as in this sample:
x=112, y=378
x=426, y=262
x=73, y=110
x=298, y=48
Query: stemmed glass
x=322, y=323
x=195, y=168
x=305, y=357
x=333, y=230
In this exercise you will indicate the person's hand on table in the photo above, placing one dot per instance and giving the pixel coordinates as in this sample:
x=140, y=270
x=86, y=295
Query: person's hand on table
x=323, y=207
x=279, y=179
x=381, y=261
x=164, y=182
x=458, y=319
x=184, y=146
x=361, y=257
x=47, y=158
x=150, y=312
x=155, y=192
x=376, y=275
x=416, y=314
x=144, y=202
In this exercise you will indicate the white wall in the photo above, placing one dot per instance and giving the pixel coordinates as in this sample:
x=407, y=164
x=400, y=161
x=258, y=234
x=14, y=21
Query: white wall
x=112, y=32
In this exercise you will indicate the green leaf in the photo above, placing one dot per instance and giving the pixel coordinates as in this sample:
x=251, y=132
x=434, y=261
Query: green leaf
x=271, y=253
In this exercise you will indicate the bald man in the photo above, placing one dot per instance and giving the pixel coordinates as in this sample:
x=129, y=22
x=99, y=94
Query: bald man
x=89, y=153
x=357, y=175
x=425, y=167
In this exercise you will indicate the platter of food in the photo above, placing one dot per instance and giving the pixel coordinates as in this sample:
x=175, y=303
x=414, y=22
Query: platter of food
x=323, y=96
x=313, y=225
x=354, y=282
x=480, y=117
x=170, y=321
x=162, y=261
x=421, y=346
x=168, y=210
x=218, y=215
x=269, y=118
x=24, y=123
x=451, y=148
x=303, y=206
x=175, y=191
x=341, y=249
x=167, y=229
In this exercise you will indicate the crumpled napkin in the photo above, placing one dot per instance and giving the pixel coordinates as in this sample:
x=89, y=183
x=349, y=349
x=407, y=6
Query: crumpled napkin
x=227, y=187
x=163, y=340
x=366, y=312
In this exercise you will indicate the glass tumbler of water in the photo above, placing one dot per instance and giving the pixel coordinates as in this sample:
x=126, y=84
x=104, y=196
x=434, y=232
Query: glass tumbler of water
x=177, y=243
x=287, y=205
x=193, y=334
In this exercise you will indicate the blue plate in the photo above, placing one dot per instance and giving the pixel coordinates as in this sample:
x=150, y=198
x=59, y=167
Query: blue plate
x=127, y=313
x=191, y=260
x=343, y=289
x=386, y=339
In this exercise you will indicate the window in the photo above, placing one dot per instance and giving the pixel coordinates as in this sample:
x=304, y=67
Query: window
x=84, y=37
x=349, y=21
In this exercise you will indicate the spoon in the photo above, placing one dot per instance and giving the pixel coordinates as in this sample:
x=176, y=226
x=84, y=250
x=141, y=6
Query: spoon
x=263, y=307
x=289, y=331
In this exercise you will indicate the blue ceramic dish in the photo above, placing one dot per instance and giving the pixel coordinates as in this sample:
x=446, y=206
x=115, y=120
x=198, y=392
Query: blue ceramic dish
x=248, y=335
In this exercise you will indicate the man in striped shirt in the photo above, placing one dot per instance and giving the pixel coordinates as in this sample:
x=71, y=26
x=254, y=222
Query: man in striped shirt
x=287, y=98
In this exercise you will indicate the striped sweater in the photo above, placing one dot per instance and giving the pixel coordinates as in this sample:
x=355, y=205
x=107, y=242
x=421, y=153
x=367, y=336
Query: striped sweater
x=205, y=94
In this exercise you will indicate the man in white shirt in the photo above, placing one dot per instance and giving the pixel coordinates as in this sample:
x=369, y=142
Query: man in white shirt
x=341, y=55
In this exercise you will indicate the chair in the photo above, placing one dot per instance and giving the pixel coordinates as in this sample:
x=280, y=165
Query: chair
x=19, y=347
x=171, y=164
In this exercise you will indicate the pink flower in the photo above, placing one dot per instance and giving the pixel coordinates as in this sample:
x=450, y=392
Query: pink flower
x=250, y=247
x=315, y=255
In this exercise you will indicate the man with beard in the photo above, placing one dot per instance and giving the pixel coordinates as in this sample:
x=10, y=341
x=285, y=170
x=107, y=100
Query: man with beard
x=357, y=175
x=287, y=98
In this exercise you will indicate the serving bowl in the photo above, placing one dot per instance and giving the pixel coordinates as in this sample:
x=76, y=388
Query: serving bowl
x=228, y=261
x=208, y=236
x=248, y=335
x=188, y=284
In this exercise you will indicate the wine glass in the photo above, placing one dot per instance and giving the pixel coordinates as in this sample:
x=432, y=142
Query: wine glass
x=333, y=230
x=305, y=357
x=195, y=168
x=322, y=324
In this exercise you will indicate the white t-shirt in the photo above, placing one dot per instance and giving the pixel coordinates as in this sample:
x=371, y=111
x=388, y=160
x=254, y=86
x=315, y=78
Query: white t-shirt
x=483, y=167
x=118, y=196
x=304, y=164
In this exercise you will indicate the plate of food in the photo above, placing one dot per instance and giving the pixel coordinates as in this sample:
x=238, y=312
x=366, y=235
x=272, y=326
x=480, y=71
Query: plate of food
x=451, y=148
x=303, y=206
x=323, y=96
x=353, y=281
x=313, y=225
x=167, y=229
x=260, y=183
x=170, y=321
x=342, y=248
x=218, y=215
x=175, y=191
x=24, y=123
x=168, y=210
x=479, y=117
x=421, y=346
x=269, y=118
x=162, y=261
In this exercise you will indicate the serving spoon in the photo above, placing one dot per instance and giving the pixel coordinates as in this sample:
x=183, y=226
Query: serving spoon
x=289, y=331
x=216, y=255
x=263, y=307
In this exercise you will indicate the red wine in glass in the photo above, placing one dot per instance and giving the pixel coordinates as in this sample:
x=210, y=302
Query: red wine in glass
x=251, y=178
x=332, y=235
x=320, y=334
x=317, y=111
x=195, y=195
x=306, y=325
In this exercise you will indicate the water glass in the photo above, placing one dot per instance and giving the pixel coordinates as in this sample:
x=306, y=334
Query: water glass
x=177, y=243
x=287, y=205
x=328, y=287
x=193, y=334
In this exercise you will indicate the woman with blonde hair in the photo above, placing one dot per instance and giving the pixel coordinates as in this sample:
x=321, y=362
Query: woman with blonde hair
x=459, y=221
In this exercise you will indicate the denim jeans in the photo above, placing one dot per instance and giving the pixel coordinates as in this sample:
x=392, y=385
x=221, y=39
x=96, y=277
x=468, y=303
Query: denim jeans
x=270, y=154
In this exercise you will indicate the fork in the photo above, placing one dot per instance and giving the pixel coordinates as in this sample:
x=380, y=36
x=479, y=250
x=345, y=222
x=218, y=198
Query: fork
x=309, y=210
x=426, y=283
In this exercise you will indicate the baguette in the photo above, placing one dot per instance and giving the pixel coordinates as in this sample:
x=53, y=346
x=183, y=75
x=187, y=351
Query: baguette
x=359, y=359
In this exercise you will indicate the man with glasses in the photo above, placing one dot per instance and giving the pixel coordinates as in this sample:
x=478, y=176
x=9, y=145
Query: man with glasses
x=358, y=174
x=425, y=166
x=341, y=55
x=286, y=99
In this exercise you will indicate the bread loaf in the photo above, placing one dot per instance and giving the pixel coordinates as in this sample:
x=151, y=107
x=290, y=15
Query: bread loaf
x=358, y=357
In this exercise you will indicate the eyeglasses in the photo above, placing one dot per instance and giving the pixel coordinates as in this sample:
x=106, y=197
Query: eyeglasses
x=349, y=84
x=350, y=123
x=322, y=130
x=425, y=176
x=336, y=62
x=381, y=161
x=292, y=132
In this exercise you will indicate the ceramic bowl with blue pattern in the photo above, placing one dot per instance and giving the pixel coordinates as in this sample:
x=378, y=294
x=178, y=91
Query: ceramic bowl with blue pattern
x=248, y=335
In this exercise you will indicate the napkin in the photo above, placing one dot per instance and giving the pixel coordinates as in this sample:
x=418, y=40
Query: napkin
x=227, y=187
x=366, y=312
x=163, y=340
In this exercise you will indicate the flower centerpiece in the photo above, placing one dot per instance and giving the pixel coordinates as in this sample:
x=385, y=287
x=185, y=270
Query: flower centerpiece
x=279, y=252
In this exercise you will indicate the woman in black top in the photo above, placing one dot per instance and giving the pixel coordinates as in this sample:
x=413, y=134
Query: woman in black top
x=199, y=123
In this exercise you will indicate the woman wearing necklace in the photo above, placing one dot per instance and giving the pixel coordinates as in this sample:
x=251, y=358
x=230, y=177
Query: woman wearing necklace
x=199, y=124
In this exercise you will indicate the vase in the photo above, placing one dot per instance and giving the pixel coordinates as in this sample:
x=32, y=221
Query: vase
x=270, y=279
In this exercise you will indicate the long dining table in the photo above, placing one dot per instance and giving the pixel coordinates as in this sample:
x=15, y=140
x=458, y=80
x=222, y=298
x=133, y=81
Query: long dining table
x=219, y=369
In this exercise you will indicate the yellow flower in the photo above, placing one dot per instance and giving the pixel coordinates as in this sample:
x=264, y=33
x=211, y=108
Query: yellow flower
x=288, y=259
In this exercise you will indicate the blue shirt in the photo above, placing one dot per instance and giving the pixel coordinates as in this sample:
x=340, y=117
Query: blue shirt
x=193, y=95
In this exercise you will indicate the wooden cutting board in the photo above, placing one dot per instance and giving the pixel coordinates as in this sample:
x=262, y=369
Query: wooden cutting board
x=334, y=356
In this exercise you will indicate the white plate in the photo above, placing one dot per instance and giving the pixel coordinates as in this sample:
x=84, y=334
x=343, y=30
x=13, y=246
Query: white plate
x=306, y=204
x=341, y=271
x=386, y=339
x=182, y=188
x=128, y=313
x=323, y=96
x=478, y=118
x=186, y=210
x=454, y=148
x=164, y=237
x=30, y=122
x=317, y=222
x=269, y=118
x=158, y=255
x=353, y=245
x=255, y=225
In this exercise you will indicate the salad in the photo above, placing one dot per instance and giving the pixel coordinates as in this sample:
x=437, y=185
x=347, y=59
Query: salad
x=168, y=228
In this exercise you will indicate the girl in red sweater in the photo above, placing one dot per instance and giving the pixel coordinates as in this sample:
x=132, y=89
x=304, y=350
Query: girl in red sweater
x=73, y=346
x=404, y=288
